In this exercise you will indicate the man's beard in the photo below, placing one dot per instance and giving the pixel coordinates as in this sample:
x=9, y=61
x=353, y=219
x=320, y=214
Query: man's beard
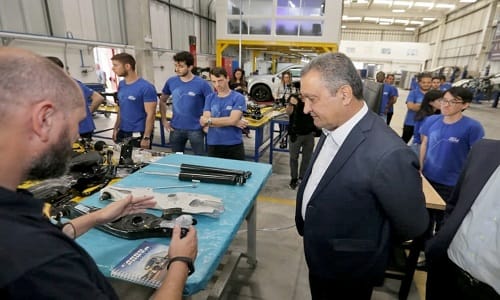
x=54, y=163
x=123, y=74
x=183, y=74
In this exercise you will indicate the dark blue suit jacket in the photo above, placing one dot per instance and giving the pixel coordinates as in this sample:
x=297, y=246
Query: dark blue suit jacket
x=482, y=161
x=370, y=195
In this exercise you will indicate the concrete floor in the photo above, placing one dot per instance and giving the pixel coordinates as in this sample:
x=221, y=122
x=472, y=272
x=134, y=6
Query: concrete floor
x=281, y=272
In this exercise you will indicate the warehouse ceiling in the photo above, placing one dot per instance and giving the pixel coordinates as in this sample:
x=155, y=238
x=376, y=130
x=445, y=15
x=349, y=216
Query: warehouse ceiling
x=393, y=14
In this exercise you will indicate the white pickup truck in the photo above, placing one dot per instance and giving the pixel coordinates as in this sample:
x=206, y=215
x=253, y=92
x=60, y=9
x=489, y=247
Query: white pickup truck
x=263, y=87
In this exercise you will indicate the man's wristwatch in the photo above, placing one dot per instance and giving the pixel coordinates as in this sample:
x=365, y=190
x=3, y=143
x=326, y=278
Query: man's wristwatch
x=146, y=138
x=187, y=260
x=209, y=122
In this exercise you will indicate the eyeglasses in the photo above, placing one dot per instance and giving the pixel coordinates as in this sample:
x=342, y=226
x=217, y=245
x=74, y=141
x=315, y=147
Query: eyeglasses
x=450, y=102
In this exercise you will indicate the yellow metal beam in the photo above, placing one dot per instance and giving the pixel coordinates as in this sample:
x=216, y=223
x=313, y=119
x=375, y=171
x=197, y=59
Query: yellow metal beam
x=221, y=46
x=278, y=46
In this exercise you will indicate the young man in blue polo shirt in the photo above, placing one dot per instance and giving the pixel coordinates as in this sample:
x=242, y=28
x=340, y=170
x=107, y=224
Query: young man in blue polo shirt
x=137, y=104
x=389, y=96
x=389, y=79
x=222, y=118
x=188, y=99
x=447, y=139
x=413, y=102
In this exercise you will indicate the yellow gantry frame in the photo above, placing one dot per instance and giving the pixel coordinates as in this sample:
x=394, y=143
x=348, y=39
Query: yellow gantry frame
x=280, y=46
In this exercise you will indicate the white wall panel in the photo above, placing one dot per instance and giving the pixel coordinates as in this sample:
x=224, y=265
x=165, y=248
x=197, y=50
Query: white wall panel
x=57, y=18
x=23, y=16
x=160, y=25
x=182, y=28
x=109, y=22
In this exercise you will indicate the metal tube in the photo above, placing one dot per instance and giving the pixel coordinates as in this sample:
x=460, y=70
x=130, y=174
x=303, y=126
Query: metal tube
x=43, y=38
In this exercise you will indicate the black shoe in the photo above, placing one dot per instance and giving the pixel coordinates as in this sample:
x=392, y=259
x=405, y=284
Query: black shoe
x=293, y=184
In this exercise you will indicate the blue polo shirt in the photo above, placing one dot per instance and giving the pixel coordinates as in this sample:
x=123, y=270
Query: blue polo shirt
x=387, y=93
x=222, y=107
x=86, y=125
x=131, y=99
x=448, y=146
x=415, y=96
x=188, y=100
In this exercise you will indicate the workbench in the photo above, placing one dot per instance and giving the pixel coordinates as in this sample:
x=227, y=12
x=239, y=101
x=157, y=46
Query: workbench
x=261, y=130
x=214, y=234
x=279, y=125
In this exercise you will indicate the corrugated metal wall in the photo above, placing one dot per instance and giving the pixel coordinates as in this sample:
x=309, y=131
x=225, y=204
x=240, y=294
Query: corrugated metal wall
x=460, y=42
x=377, y=35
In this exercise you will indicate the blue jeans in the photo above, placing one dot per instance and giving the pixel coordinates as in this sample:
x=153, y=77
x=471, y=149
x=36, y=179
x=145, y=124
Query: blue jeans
x=179, y=137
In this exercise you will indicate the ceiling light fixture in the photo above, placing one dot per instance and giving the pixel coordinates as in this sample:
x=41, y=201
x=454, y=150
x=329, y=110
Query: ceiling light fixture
x=402, y=3
x=410, y=29
x=401, y=21
x=417, y=23
x=445, y=5
x=346, y=18
x=398, y=10
x=424, y=4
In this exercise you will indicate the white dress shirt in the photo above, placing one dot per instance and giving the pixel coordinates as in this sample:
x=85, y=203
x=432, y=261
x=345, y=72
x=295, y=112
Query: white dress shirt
x=476, y=245
x=333, y=141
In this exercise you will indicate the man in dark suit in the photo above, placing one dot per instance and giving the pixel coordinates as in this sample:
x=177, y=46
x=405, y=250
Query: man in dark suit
x=362, y=190
x=463, y=258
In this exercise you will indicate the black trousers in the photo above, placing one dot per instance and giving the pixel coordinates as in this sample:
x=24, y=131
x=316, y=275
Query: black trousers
x=227, y=151
x=324, y=289
x=445, y=280
x=389, y=117
x=123, y=136
x=407, y=133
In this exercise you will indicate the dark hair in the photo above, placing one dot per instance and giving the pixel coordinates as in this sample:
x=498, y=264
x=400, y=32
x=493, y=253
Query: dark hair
x=459, y=92
x=242, y=72
x=435, y=77
x=125, y=58
x=426, y=108
x=286, y=73
x=380, y=76
x=218, y=72
x=424, y=75
x=294, y=95
x=185, y=57
x=243, y=82
x=56, y=60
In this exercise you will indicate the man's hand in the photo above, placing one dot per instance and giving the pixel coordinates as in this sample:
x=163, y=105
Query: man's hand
x=186, y=246
x=145, y=143
x=203, y=121
x=126, y=206
x=166, y=124
x=242, y=123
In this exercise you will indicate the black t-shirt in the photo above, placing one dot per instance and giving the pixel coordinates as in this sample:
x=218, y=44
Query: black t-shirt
x=40, y=262
x=300, y=123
